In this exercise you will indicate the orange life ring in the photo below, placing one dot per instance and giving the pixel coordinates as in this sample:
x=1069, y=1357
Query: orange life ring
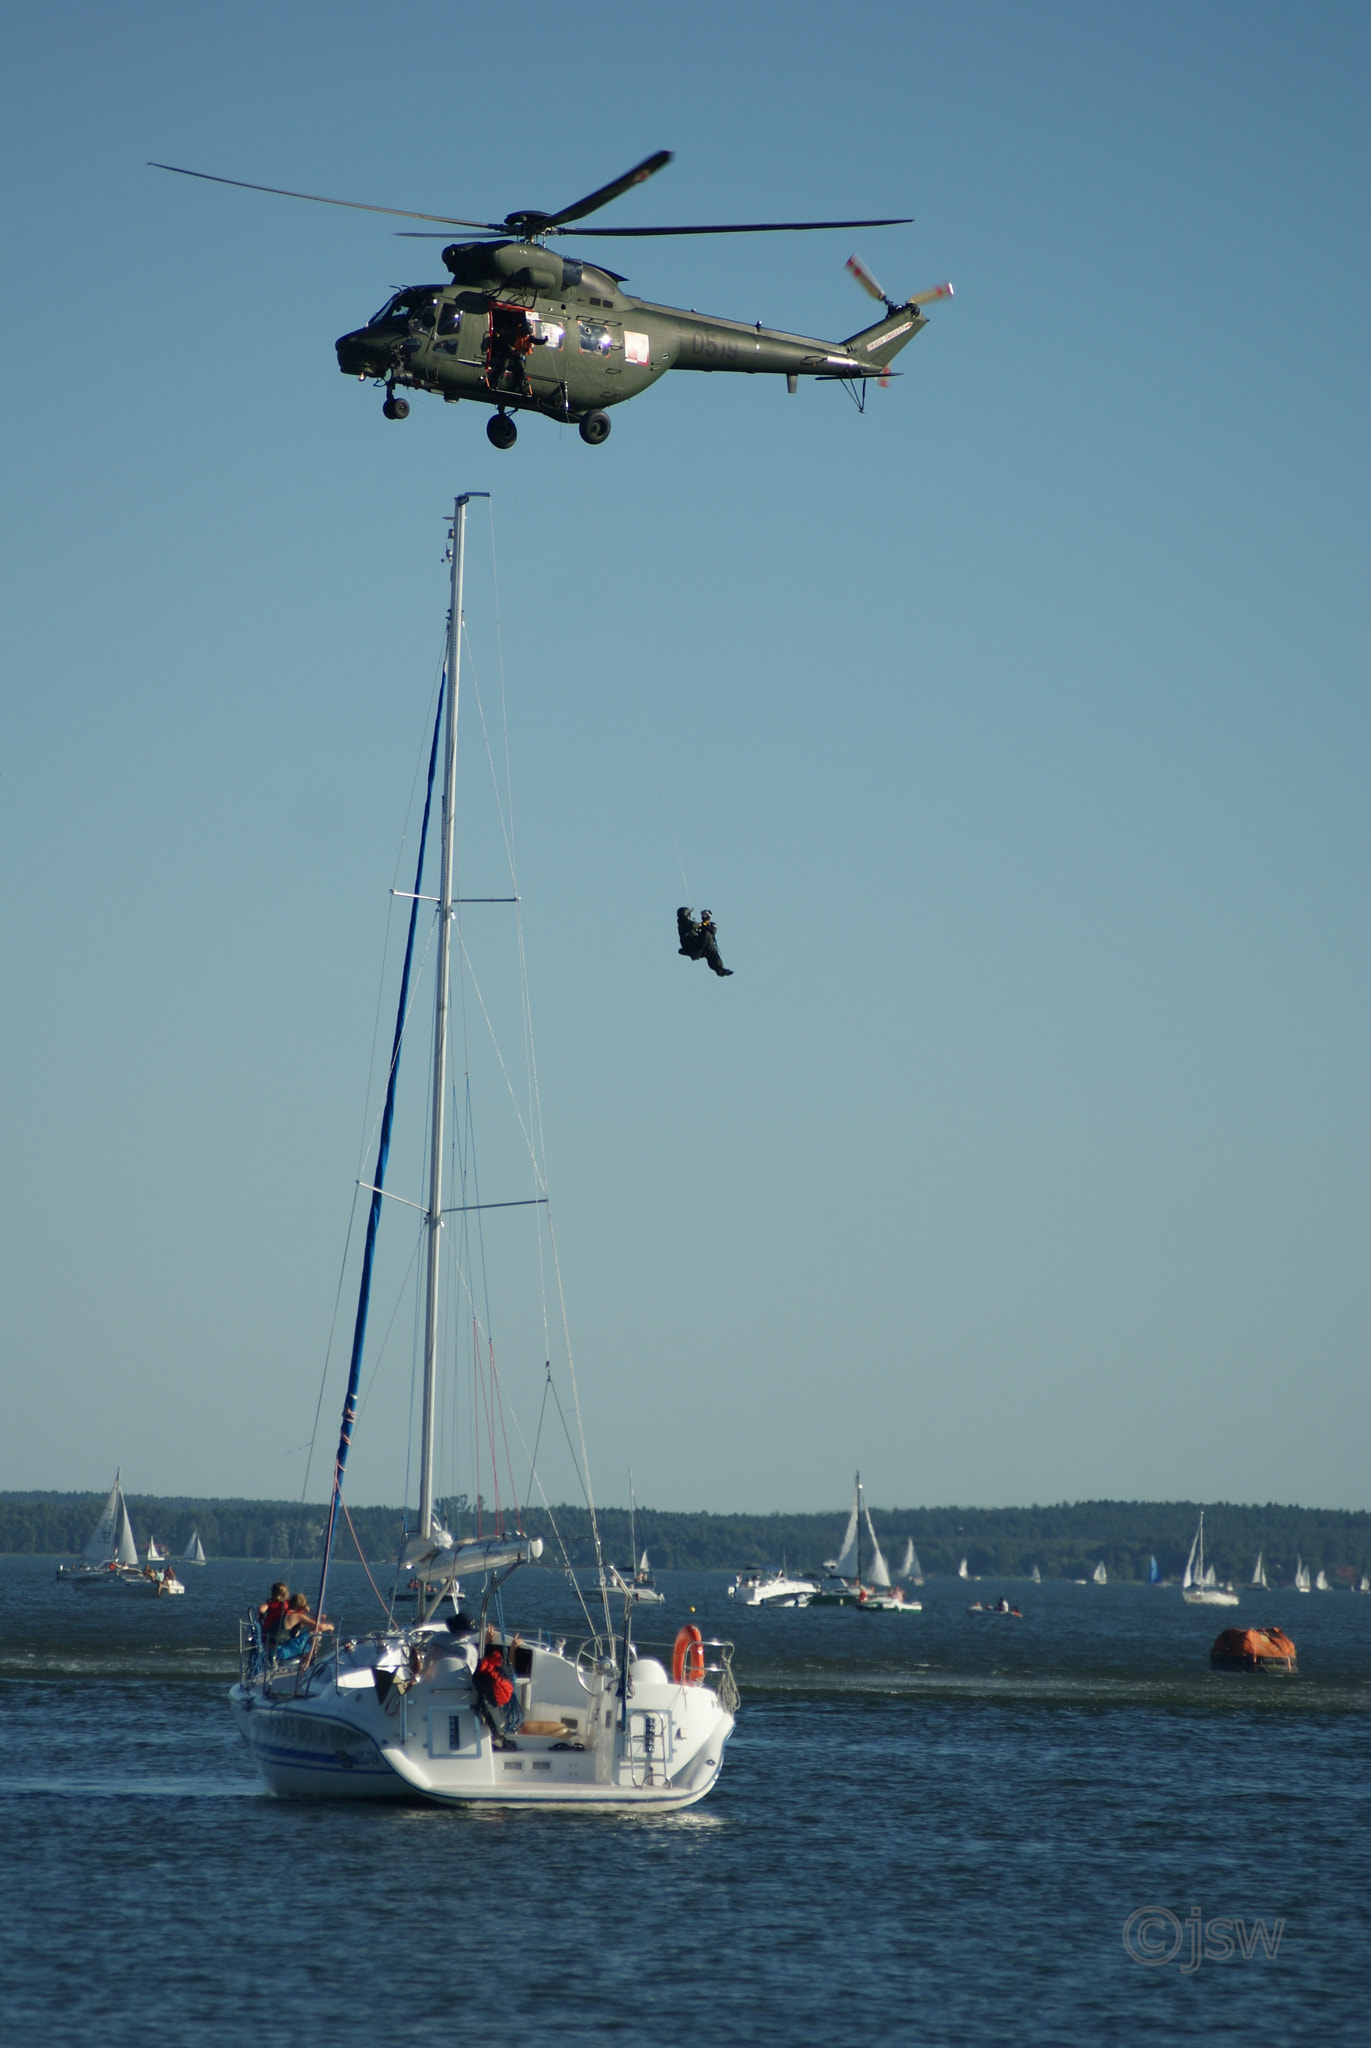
x=688, y=1657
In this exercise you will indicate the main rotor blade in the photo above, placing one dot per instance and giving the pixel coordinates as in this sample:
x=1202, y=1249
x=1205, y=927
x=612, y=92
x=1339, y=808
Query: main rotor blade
x=320, y=199
x=648, y=168
x=749, y=227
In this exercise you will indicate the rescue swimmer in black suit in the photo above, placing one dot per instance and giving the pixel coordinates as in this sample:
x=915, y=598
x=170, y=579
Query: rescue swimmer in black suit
x=700, y=941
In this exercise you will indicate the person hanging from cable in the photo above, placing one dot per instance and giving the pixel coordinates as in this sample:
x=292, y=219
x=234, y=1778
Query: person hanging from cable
x=699, y=941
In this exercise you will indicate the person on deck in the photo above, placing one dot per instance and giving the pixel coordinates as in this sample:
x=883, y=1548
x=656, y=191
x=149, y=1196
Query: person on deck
x=300, y=1630
x=700, y=941
x=494, y=1690
x=272, y=1613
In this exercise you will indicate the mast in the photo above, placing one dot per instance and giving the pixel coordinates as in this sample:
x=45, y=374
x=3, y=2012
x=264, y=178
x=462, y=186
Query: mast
x=434, y=1216
x=860, y=1504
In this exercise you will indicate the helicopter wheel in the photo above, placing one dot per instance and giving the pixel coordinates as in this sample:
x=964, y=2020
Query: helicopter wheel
x=595, y=428
x=501, y=431
x=395, y=408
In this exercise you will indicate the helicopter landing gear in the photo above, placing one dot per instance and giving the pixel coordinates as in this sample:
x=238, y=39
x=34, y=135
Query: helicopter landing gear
x=595, y=428
x=501, y=431
x=395, y=408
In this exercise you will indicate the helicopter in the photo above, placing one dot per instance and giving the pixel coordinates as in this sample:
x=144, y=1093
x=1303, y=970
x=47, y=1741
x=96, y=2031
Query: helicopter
x=522, y=329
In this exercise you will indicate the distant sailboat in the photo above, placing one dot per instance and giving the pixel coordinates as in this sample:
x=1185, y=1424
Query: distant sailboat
x=1154, y=1577
x=1100, y=1576
x=111, y=1556
x=1301, y=1576
x=1258, y=1577
x=1364, y=1584
x=962, y=1572
x=910, y=1568
x=1200, y=1588
x=1321, y=1584
x=155, y=1556
x=1037, y=1576
x=194, y=1552
x=855, y=1582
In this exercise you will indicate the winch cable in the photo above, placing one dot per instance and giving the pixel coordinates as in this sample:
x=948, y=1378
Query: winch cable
x=631, y=669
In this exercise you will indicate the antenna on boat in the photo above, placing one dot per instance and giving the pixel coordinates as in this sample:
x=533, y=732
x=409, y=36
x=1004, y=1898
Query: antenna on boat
x=433, y=1221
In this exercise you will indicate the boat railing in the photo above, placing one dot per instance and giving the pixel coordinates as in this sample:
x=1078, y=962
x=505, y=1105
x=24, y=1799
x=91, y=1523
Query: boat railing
x=715, y=1666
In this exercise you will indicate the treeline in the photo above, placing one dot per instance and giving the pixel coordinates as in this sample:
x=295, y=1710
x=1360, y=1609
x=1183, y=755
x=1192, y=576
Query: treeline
x=1064, y=1542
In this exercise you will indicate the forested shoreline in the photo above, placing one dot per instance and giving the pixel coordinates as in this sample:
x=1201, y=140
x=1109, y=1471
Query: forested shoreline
x=1065, y=1541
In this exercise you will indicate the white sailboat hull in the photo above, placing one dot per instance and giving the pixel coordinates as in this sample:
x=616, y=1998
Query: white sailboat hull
x=662, y=1748
x=99, y=1578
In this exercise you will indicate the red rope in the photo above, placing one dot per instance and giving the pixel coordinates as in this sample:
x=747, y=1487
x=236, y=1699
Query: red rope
x=385, y=1604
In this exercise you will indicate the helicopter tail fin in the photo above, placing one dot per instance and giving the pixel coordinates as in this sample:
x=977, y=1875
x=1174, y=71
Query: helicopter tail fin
x=876, y=347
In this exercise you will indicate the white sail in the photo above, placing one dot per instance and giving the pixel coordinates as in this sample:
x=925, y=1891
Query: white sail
x=1321, y=1584
x=1258, y=1572
x=878, y=1571
x=1037, y=1576
x=1364, y=1584
x=846, y=1565
x=1100, y=1575
x=1188, y=1575
x=104, y=1537
x=194, y=1552
x=127, y=1552
x=910, y=1568
x=1211, y=1577
x=155, y=1556
x=1301, y=1576
x=962, y=1572
x=642, y=1562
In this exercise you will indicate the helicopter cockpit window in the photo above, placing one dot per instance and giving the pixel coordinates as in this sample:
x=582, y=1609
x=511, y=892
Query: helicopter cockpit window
x=449, y=317
x=595, y=340
x=406, y=306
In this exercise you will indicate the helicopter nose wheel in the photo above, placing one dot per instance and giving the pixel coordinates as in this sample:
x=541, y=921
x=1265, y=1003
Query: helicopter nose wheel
x=501, y=431
x=395, y=408
x=595, y=428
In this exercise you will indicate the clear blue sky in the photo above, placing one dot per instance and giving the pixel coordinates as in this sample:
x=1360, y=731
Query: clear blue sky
x=1015, y=732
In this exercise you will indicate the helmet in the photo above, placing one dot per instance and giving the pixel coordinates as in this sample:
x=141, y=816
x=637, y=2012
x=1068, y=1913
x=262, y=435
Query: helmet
x=705, y=916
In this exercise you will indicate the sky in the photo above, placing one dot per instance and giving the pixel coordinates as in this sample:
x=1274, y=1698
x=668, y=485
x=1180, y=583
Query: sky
x=1014, y=730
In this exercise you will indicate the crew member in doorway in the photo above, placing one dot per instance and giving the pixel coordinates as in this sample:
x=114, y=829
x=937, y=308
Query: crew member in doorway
x=699, y=941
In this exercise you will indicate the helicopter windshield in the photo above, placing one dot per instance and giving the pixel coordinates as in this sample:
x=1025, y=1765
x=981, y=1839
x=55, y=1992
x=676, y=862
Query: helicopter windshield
x=411, y=305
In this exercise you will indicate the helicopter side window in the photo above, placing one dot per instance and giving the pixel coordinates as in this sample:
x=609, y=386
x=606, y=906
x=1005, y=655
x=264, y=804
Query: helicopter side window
x=449, y=318
x=548, y=333
x=595, y=339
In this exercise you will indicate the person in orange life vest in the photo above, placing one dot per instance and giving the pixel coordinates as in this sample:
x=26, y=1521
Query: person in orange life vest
x=494, y=1690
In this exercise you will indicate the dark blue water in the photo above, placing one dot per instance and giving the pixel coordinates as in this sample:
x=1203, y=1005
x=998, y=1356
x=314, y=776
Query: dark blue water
x=930, y=1829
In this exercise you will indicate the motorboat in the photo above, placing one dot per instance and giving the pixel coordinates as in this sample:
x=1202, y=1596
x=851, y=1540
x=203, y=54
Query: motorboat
x=759, y=1587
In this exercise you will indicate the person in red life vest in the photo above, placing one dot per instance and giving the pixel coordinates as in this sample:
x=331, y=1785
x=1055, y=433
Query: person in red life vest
x=494, y=1690
x=271, y=1615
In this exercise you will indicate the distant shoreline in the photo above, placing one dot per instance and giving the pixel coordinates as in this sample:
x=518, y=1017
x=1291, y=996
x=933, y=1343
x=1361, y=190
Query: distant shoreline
x=1064, y=1541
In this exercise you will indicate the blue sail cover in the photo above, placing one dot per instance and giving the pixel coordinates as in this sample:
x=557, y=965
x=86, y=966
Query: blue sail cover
x=359, y=1330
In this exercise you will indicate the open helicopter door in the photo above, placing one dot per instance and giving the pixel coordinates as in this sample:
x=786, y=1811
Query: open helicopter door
x=509, y=341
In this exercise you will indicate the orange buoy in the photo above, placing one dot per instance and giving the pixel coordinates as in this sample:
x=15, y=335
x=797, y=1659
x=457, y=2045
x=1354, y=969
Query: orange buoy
x=688, y=1657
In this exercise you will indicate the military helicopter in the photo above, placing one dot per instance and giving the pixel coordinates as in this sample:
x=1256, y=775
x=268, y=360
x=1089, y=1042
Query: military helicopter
x=523, y=329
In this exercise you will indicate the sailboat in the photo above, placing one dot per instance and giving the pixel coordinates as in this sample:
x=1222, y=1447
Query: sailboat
x=1301, y=1576
x=1200, y=1587
x=154, y=1555
x=910, y=1568
x=194, y=1552
x=405, y=1712
x=1321, y=1584
x=1036, y=1576
x=1364, y=1584
x=1099, y=1577
x=1258, y=1577
x=962, y=1572
x=1154, y=1577
x=109, y=1562
x=851, y=1581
